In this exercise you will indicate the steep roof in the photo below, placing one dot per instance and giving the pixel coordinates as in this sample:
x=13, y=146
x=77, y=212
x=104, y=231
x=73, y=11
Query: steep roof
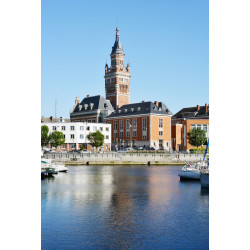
x=141, y=108
x=117, y=48
x=91, y=103
x=192, y=112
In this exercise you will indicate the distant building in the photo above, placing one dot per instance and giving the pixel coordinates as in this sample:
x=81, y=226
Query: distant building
x=186, y=119
x=53, y=119
x=91, y=109
x=144, y=124
x=75, y=134
x=117, y=76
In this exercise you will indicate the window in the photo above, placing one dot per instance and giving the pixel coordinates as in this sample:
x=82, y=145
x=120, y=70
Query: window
x=160, y=123
x=115, y=134
x=81, y=127
x=95, y=129
x=199, y=126
x=121, y=62
x=115, y=125
x=72, y=127
x=121, y=134
x=127, y=133
x=144, y=124
x=134, y=123
x=107, y=128
x=88, y=128
x=72, y=136
x=193, y=126
x=63, y=146
x=54, y=128
x=64, y=136
x=108, y=81
x=113, y=80
x=81, y=136
x=63, y=128
x=101, y=128
x=121, y=79
x=107, y=137
x=72, y=146
x=125, y=79
x=161, y=133
x=121, y=124
x=127, y=124
x=205, y=128
x=134, y=133
x=144, y=137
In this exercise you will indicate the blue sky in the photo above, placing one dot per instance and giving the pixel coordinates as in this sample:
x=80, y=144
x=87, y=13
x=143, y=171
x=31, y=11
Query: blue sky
x=166, y=43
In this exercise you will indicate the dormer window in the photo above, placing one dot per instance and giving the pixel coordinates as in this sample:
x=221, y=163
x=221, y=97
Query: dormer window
x=125, y=110
x=80, y=107
x=91, y=105
x=119, y=111
x=139, y=108
x=85, y=106
x=132, y=109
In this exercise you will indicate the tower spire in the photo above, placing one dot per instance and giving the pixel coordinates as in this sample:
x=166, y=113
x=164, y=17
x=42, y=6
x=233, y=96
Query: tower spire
x=117, y=48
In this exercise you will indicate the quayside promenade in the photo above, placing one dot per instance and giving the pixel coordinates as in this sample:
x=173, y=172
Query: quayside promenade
x=125, y=158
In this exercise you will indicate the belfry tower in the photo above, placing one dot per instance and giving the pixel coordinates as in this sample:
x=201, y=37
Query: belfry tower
x=117, y=76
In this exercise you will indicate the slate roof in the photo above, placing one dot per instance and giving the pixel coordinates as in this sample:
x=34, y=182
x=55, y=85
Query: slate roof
x=192, y=112
x=93, y=103
x=141, y=108
x=117, y=48
x=53, y=119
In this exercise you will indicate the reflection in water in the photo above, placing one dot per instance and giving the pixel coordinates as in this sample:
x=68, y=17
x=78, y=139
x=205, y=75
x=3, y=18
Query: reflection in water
x=123, y=207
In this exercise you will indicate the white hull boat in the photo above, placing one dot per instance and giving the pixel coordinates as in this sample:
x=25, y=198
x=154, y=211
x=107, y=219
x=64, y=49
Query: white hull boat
x=61, y=167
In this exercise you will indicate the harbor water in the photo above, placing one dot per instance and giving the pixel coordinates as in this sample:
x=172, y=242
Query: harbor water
x=123, y=207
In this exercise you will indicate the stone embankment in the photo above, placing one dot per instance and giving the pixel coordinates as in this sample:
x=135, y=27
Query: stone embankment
x=125, y=158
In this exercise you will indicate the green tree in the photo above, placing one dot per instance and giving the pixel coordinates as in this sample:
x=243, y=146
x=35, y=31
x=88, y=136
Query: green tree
x=44, y=135
x=56, y=138
x=96, y=139
x=197, y=137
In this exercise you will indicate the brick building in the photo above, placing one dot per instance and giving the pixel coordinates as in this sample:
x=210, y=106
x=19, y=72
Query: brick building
x=91, y=109
x=117, y=76
x=186, y=119
x=144, y=124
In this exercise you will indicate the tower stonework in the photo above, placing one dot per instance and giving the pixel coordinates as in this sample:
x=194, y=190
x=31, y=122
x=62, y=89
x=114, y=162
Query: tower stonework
x=117, y=76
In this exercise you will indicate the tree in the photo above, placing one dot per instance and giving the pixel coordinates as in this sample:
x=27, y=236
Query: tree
x=56, y=138
x=196, y=137
x=96, y=139
x=44, y=136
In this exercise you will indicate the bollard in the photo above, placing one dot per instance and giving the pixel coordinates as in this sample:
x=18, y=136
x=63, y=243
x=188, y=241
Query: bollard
x=87, y=163
x=148, y=163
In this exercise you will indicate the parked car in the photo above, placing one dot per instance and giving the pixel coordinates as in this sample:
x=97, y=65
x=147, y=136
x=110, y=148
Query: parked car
x=75, y=151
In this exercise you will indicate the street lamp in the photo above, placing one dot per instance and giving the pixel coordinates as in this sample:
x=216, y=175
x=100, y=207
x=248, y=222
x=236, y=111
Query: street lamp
x=130, y=134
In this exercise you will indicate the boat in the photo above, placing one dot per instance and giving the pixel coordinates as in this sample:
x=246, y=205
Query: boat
x=48, y=167
x=43, y=173
x=193, y=172
x=190, y=172
x=60, y=166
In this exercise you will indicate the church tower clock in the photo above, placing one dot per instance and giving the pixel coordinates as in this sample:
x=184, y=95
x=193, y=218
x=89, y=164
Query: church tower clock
x=117, y=76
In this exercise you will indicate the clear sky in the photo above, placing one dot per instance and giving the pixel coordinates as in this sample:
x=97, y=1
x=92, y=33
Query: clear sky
x=166, y=43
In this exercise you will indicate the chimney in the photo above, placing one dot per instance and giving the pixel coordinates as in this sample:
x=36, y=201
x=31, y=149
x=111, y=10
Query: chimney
x=88, y=95
x=206, y=108
x=156, y=103
x=142, y=101
x=198, y=107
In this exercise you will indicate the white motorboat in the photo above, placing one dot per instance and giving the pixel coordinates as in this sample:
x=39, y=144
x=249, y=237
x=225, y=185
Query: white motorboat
x=60, y=166
x=48, y=167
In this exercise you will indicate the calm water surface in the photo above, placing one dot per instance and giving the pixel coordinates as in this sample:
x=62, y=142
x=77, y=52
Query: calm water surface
x=123, y=207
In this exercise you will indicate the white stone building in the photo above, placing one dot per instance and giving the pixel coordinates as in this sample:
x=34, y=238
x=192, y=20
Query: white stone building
x=75, y=134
